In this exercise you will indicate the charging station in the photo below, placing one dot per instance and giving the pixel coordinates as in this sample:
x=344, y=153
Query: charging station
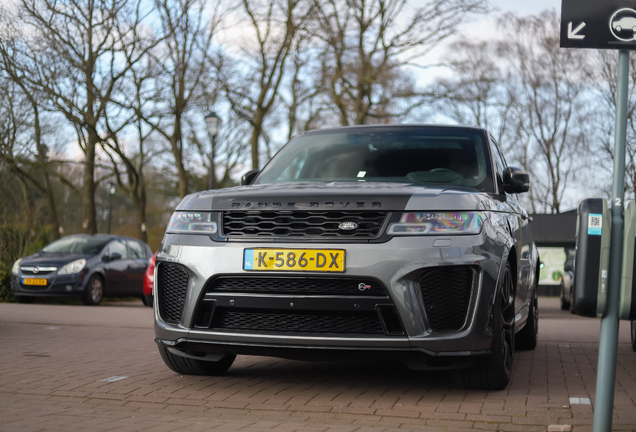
x=593, y=230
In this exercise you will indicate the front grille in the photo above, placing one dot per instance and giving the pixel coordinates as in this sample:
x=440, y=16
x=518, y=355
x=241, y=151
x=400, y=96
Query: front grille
x=302, y=224
x=362, y=323
x=290, y=285
x=446, y=293
x=172, y=285
x=35, y=270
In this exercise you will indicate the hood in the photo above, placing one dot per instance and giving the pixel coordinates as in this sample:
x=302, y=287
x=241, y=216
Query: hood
x=43, y=259
x=338, y=196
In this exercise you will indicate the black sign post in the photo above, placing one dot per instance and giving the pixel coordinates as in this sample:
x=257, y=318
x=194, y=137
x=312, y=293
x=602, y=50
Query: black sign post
x=607, y=24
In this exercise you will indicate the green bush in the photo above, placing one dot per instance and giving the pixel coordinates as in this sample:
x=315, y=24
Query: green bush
x=6, y=295
x=17, y=242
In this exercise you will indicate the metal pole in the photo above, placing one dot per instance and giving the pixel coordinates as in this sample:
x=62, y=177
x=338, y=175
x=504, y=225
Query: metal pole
x=110, y=209
x=608, y=343
x=211, y=181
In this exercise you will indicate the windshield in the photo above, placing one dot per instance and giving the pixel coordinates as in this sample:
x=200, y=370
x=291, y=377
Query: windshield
x=437, y=156
x=77, y=245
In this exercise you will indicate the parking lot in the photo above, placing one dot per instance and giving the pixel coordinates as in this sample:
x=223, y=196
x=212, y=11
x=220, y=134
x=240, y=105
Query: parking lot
x=54, y=360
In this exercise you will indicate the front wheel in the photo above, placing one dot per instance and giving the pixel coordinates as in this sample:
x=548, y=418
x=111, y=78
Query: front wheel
x=493, y=372
x=190, y=366
x=94, y=291
x=633, y=332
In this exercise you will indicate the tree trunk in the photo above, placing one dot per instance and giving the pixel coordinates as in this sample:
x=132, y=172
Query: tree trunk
x=28, y=209
x=47, y=184
x=259, y=116
x=89, y=217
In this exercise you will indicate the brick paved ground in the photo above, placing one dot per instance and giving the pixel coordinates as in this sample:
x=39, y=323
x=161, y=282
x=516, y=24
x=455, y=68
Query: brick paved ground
x=52, y=358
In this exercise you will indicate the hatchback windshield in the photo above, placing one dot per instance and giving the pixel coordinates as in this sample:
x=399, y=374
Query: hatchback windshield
x=77, y=245
x=437, y=156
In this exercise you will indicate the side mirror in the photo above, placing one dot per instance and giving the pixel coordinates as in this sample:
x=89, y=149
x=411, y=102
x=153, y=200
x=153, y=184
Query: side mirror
x=115, y=256
x=105, y=258
x=515, y=180
x=249, y=177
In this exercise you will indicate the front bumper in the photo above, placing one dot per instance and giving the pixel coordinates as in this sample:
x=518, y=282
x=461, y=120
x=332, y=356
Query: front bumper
x=397, y=264
x=65, y=285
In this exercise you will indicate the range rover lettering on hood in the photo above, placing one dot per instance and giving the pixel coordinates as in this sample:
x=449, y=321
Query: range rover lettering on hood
x=303, y=205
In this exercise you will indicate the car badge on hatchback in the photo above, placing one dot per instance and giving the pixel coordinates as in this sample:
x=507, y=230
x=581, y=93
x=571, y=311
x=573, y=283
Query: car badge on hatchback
x=36, y=270
x=348, y=226
x=364, y=287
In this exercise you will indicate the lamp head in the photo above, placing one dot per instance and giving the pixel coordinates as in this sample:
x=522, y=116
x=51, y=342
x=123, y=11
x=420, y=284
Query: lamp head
x=213, y=124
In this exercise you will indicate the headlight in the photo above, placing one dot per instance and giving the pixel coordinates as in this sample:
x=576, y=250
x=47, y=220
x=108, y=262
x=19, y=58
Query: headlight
x=16, y=267
x=73, y=267
x=438, y=223
x=191, y=223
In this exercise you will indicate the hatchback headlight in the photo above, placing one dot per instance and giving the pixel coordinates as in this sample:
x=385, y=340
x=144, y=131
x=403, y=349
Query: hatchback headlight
x=191, y=223
x=446, y=223
x=16, y=267
x=73, y=267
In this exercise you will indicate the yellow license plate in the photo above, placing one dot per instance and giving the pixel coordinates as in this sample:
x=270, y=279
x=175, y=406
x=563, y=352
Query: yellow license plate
x=320, y=260
x=34, y=281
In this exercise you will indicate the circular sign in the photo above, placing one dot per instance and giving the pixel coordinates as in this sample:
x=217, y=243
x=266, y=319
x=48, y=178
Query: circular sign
x=623, y=25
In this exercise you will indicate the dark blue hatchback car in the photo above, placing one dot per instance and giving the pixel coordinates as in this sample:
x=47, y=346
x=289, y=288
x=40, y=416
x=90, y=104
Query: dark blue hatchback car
x=86, y=266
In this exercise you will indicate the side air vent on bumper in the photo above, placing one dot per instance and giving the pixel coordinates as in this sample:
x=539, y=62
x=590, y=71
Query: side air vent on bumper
x=446, y=293
x=172, y=285
x=298, y=305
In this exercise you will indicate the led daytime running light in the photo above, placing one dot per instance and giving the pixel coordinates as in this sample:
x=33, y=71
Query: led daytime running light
x=446, y=223
x=191, y=223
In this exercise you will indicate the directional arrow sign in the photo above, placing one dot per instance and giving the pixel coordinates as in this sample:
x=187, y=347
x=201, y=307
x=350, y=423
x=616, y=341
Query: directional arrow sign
x=606, y=24
x=574, y=34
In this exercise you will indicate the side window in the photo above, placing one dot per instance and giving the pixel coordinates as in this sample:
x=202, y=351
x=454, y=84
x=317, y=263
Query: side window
x=137, y=251
x=118, y=246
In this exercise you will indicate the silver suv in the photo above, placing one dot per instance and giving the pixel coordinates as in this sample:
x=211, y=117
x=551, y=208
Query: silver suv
x=397, y=241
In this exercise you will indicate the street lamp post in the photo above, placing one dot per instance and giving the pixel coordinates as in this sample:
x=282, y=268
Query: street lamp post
x=112, y=188
x=213, y=124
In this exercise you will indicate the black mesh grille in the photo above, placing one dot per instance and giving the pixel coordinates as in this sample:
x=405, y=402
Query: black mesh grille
x=320, y=286
x=446, y=293
x=362, y=323
x=302, y=224
x=172, y=286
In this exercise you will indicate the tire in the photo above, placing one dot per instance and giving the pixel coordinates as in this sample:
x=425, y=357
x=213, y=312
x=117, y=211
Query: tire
x=618, y=28
x=527, y=337
x=493, y=372
x=148, y=300
x=188, y=366
x=24, y=299
x=633, y=334
x=94, y=291
x=572, y=300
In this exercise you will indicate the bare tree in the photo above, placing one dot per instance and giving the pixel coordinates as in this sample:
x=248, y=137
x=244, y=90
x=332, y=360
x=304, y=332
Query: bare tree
x=551, y=112
x=476, y=93
x=184, y=76
x=367, y=43
x=603, y=77
x=76, y=53
x=252, y=80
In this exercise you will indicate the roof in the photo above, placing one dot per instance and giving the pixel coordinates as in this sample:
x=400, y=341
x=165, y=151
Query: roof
x=554, y=230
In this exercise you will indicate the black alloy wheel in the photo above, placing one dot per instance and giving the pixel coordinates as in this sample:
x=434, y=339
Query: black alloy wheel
x=493, y=372
x=94, y=291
